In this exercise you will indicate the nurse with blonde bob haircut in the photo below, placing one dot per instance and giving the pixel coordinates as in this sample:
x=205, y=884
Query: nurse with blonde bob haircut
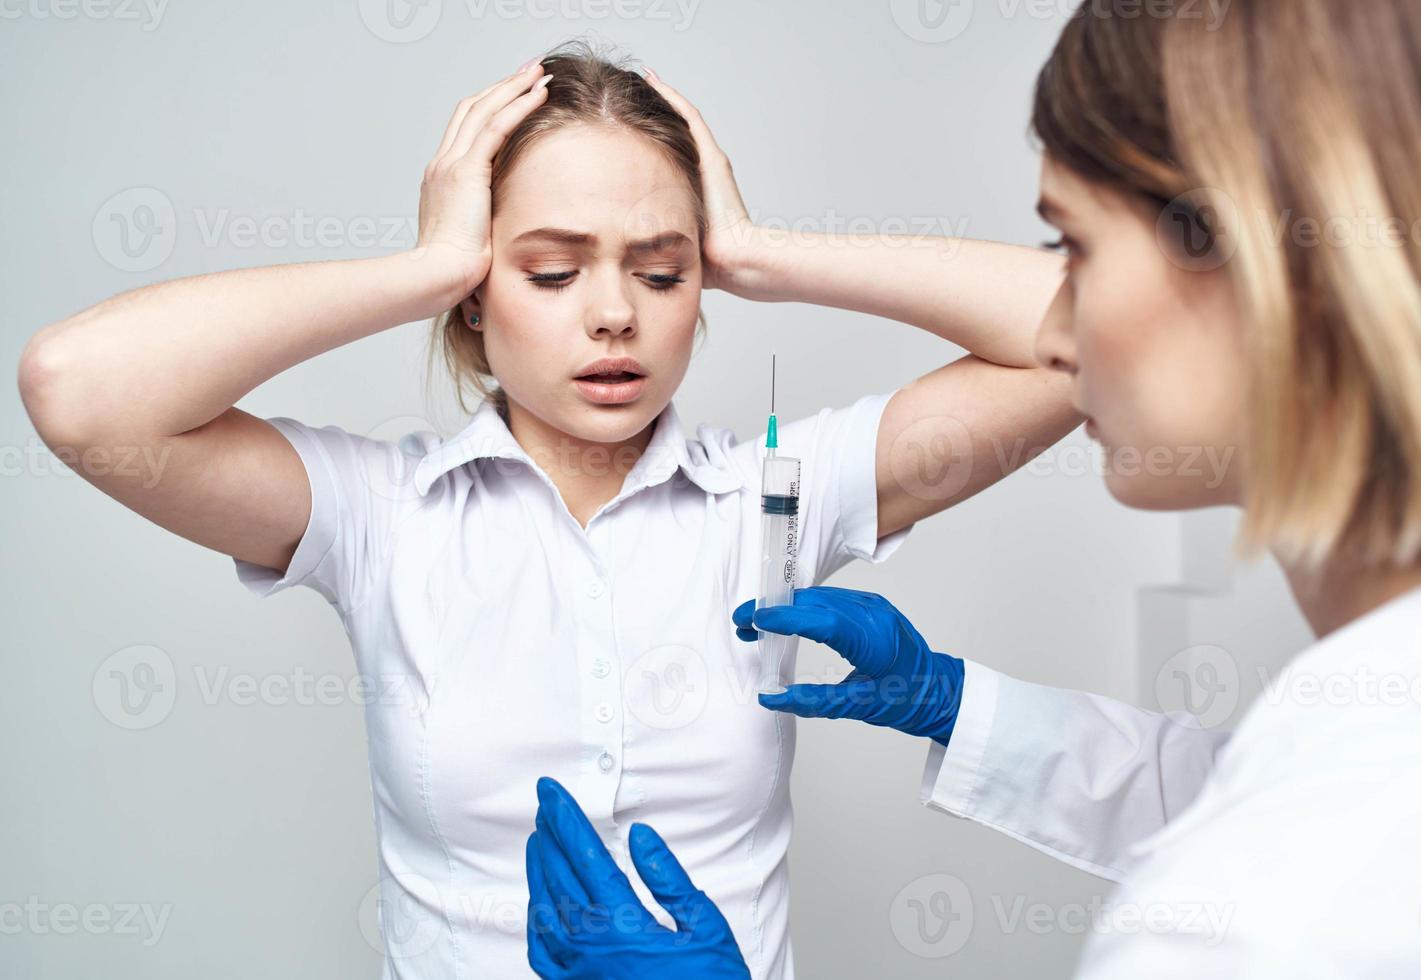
x=1239, y=204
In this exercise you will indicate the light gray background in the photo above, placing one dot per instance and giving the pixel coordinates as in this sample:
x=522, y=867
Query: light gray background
x=248, y=824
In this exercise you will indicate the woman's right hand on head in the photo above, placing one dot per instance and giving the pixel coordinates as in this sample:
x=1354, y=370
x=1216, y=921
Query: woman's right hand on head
x=455, y=197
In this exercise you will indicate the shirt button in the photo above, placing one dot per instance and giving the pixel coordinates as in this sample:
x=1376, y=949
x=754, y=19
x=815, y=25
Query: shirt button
x=595, y=588
x=604, y=712
x=605, y=762
x=600, y=668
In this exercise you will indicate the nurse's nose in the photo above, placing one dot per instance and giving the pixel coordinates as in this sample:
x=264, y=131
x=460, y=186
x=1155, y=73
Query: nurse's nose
x=1055, y=338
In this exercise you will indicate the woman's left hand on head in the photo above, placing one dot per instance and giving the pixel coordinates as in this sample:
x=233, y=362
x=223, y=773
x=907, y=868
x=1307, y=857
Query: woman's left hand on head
x=732, y=240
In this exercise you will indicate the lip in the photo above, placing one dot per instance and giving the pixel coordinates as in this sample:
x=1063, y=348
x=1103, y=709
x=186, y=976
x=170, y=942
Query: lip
x=609, y=365
x=614, y=394
x=617, y=393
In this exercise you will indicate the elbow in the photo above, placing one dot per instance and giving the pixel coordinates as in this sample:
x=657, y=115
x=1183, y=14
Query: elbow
x=43, y=378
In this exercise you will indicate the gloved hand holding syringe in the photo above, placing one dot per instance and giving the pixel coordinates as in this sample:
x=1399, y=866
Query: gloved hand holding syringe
x=779, y=552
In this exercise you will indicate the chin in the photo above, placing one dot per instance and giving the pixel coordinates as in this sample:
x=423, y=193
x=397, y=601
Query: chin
x=1144, y=491
x=603, y=423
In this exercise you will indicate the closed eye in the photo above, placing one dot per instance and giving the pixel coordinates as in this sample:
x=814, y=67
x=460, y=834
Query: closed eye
x=554, y=280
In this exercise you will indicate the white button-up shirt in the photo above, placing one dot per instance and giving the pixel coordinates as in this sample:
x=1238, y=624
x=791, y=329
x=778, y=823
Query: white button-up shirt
x=501, y=641
x=1291, y=849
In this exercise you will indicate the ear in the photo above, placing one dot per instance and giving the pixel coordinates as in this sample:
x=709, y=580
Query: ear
x=471, y=310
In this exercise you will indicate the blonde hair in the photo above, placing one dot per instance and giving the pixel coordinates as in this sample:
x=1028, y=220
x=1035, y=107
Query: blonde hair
x=589, y=88
x=1280, y=113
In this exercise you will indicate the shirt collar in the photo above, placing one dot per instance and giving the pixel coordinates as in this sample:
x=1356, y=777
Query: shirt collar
x=487, y=437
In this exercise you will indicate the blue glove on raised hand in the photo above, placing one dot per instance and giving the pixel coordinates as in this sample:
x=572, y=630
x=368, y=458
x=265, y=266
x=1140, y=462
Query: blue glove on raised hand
x=897, y=682
x=585, y=921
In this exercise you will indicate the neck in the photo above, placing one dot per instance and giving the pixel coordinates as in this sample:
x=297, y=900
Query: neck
x=586, y=473
x=1343, y=589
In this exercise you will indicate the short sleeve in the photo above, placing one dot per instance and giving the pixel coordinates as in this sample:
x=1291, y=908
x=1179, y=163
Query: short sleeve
x=838, y=450
x=359, y=488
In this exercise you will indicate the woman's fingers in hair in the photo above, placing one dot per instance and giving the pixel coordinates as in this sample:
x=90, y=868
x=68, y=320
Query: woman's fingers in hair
x=474, y=112
x=705, y=141
x=490, y=137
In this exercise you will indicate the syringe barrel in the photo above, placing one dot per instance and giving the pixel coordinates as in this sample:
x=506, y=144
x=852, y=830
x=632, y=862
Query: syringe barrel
x=779, y=563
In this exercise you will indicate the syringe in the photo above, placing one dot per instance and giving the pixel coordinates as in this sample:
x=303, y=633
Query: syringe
x=779, y=551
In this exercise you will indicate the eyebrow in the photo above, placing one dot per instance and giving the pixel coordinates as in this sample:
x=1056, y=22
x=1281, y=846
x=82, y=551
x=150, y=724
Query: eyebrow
x=566, y=236
x=1050, y=211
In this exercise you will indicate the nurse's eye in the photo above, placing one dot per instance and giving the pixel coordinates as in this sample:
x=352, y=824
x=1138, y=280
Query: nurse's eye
x=660, y=281
x=554, y=281
x=1066, y=245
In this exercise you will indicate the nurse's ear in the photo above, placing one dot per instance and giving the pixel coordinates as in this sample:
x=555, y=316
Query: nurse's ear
x=469, y=308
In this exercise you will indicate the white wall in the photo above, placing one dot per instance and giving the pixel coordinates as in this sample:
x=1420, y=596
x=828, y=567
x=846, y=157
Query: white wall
x=250, y=822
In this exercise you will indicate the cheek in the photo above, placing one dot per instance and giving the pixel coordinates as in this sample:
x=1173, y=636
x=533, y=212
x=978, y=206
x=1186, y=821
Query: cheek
x=1163, y=377
x=522, y=325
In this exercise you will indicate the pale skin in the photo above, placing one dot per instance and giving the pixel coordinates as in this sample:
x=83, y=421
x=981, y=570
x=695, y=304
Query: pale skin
x=1155, y=357
x=160, y=368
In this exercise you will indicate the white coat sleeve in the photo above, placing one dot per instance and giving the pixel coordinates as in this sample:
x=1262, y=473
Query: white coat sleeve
x=1076, y=775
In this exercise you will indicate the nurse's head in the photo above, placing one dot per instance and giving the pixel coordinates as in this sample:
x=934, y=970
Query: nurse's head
x=1240, y=202
x=596, y=238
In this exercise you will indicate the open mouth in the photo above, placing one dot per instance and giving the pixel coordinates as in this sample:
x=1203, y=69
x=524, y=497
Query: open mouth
x=611, y=381
x=610, y=377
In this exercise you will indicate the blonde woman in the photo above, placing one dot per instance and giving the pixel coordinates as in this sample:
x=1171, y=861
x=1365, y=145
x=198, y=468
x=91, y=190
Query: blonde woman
x=526, y=584
x=1240, y=205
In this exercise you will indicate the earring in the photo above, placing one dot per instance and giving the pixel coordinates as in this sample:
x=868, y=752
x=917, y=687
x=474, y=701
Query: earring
x=473, y=319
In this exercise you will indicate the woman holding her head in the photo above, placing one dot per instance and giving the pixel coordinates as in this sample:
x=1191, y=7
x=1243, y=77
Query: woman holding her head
x=1174, y=154
x=520, y=594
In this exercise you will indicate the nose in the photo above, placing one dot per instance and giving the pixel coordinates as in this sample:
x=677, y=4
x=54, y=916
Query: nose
x=610, y=312
x=1055, y=341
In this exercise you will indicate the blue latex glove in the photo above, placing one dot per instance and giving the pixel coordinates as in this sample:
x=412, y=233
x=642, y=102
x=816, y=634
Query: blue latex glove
x=897, y=682
x=585, y=921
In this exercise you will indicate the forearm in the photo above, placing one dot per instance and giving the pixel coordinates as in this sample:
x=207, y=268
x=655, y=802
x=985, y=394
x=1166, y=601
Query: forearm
x=1077, y=775
x=984, y=296
x=172, y=356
